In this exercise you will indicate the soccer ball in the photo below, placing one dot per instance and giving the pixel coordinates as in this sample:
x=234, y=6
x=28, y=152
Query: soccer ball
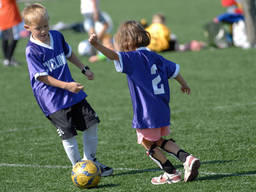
x=85, y=48
x=86, y=174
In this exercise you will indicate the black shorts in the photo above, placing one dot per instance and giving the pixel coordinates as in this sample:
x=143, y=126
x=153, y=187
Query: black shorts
x=77, y=117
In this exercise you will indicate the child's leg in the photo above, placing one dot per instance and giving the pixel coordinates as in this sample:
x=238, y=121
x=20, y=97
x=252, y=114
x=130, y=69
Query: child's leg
x=191, y=163
x=157, y=156
x=5, y=48
x=172, y=148
x=90, y=142
x=149, y=138
x=71, y=148
x=170, y=175
x=11, y=48
x=10, y=39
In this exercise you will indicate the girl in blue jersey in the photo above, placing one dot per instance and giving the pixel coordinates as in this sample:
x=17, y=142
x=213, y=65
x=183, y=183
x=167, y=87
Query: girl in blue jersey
x=147, y=74
x=62, y=100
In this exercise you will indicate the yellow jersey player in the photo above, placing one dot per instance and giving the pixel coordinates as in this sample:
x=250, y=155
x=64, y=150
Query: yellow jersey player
x=160, y=34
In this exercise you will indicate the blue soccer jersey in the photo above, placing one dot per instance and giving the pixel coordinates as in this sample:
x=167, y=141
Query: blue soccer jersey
x=147, y=75
x=51, y=60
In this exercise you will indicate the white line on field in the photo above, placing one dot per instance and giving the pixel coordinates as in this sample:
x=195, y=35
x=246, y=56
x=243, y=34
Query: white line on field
x=33, y=165
x=120, y=169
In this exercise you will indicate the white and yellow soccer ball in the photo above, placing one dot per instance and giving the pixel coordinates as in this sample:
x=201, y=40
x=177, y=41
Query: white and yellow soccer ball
x=86, y=174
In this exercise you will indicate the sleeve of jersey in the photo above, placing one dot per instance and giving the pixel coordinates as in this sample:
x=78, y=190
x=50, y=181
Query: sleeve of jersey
x=171, y=68
x=125, y=62
x=67, y=49
x=35, y=66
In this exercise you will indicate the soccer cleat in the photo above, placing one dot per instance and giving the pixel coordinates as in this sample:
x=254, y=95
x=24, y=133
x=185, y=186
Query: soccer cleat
x=13, y=62
x=105, y=171
x=191, y=167
x=6, y=62
x=166, y=178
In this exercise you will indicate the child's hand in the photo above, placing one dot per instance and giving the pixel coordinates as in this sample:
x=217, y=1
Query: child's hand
x=185, y=89
x=184, y=86
x=74, y=87
x=89, y=75
x=93, y=39
x=109, y=53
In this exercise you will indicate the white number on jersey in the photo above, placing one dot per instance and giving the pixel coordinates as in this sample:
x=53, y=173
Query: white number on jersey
x=158, y=87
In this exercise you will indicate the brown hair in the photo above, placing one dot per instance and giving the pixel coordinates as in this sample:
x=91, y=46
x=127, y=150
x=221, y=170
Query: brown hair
x=159, y=17
x=131, y=35
x=33, y=13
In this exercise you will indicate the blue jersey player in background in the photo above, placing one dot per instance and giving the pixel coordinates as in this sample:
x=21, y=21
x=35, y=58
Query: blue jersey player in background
x=147, y=74
x=61, y=99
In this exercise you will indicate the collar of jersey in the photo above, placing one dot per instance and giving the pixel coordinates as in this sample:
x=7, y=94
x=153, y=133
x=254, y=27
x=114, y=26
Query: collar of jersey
x=142, y=48
x=43, y=44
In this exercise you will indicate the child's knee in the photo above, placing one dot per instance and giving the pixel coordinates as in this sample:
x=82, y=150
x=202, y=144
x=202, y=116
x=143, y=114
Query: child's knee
x=147, y=144
x=160, y=141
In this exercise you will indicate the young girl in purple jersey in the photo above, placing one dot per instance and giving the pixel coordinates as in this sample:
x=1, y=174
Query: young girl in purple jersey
x=147, y=74
x=62, y=100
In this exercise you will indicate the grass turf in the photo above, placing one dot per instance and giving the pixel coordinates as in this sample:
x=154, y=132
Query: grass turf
x=216, y=122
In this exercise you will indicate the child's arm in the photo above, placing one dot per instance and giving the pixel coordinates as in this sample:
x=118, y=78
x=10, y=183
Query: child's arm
x=73, y=87
x=112, y=55
x=73, y=59
x=184, y=86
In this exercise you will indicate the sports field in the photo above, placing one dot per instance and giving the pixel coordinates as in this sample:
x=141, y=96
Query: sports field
x=215, y=123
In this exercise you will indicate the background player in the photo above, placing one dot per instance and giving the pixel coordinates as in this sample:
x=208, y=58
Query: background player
x=91, y=12
x=9, y=19
x=160, y=34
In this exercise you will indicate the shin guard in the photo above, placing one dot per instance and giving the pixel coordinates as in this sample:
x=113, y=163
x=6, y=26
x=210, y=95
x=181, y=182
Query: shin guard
x=151, y=152
x=166, y=166
x=163, y=145
x=181, y=155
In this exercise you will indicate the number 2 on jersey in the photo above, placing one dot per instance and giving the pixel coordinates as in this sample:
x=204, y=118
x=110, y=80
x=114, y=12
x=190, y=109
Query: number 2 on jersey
x=158, y=87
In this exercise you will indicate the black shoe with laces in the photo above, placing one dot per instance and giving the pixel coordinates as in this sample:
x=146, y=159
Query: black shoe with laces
x=105, y=170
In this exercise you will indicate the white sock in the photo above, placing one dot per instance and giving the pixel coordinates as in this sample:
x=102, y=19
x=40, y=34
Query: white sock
x=71, y=148
x=90, y=138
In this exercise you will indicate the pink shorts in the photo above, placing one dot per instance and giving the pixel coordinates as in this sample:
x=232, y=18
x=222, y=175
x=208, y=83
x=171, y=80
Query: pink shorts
x=152, y=134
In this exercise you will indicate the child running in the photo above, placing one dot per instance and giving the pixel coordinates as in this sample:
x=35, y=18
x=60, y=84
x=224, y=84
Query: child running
x=61, y=99
x=147, y=74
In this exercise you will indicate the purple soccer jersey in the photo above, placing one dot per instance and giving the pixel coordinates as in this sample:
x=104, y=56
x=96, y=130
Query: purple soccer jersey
x=147, y=75
x=51, y=60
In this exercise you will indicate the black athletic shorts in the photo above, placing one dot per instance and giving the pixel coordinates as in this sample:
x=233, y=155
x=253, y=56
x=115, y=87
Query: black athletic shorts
x=77, y=117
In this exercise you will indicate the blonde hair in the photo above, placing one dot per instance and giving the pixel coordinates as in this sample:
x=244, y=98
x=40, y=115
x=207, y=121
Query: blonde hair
x=131, y=35
x=33, y=13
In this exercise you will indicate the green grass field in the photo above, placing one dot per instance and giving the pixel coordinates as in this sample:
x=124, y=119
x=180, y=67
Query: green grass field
x=215, y=123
